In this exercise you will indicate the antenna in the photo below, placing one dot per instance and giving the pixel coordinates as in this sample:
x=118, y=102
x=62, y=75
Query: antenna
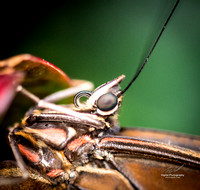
x=154, y=45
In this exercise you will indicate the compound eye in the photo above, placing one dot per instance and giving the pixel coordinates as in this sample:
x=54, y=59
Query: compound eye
x=107, y=102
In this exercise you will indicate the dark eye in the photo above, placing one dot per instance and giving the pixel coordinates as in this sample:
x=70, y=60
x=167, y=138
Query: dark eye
x=107, y=102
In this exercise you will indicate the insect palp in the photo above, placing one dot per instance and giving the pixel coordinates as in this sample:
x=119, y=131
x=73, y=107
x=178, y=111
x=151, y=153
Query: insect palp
x=47, y=105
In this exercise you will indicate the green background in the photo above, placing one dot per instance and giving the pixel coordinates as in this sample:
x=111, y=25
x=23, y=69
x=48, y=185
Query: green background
x=100, y=40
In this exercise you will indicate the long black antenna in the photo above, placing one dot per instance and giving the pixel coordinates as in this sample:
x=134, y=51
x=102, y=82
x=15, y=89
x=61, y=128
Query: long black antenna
x=154, y=45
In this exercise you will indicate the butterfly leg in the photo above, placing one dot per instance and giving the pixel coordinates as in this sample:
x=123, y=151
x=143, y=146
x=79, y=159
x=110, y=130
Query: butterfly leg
x=20, y=163
x=78, y=86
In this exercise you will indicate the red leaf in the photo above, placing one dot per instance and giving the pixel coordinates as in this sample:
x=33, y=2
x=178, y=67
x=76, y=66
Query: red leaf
x=41, y=77
x=8, y=85
x=35, y=74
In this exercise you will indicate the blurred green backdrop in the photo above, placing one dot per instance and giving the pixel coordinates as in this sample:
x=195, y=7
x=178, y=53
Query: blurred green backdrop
x=100, y=40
